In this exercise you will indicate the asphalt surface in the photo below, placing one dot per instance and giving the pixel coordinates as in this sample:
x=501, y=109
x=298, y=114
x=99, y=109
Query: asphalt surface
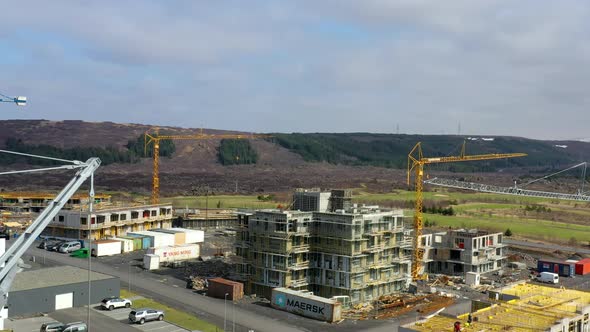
x=121, y=315
x=97, y=321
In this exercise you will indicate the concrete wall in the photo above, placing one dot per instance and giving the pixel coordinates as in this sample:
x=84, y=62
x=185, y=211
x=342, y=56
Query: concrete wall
x=42, y=300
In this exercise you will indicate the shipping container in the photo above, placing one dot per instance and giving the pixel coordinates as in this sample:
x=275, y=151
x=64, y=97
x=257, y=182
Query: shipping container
x=157, y=239
x=218, y=287
x=303, y=304
x=561, y=268
x=151, y=262
x=146, y=241
x=126, y=244
x=179, y=236
x=192, y=235
x=583, y=266
x=176, y=253
x=105, y=248
x=137, y=241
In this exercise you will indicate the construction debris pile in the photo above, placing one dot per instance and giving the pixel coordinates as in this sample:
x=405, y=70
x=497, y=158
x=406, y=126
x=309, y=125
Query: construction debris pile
x=396, y=305
x=196, y=273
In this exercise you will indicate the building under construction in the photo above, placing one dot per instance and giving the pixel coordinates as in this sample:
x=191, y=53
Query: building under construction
x=520, y=308
x=458, y=251
x=109, y=221
x=37, y=201
x=322, y=201
x=362, y=253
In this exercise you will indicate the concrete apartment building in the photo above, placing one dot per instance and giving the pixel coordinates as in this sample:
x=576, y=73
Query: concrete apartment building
x=362, y=253
x=109, y=221
x=37, y=201
x=459, y=251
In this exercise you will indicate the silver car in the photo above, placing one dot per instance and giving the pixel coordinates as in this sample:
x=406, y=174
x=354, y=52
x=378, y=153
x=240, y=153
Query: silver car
x=145, y=315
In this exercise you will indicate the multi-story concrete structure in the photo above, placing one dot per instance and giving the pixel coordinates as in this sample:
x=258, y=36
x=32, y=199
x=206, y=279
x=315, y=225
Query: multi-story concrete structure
x=459, y=251
x=109, y=221
x=37, y=201
x=362, y=253
x=311, y=200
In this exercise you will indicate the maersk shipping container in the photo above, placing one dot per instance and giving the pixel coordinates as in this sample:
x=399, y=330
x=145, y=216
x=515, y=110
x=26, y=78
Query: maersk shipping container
x=105, y=248
x=158, y=239
x=146, y=241
x=192, y=235
x=583, y=266
x=561, y=268
x=137, y=241
x=311, y=306
x=218, y=287
x=179, y=236
x=126, y=244
x=176, y=253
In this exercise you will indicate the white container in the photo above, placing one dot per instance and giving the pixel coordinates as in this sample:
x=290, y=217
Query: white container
x=176, y=253
x=126, y=244
x=179, y=235
x=192, y=235
x=472, y=278
x=158, y=239
x=151, y=262
x=105, y=248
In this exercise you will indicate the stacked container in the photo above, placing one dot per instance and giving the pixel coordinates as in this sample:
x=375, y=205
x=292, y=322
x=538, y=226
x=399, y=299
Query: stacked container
x=192, y=235
x=179, y=235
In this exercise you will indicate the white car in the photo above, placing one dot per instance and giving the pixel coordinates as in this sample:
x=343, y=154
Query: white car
x=111, y=303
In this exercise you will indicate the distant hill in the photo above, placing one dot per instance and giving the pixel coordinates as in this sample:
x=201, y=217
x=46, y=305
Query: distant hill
x=373, y=161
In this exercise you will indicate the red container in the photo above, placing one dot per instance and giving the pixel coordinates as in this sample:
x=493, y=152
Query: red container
x=218, y=287
x=583, y=266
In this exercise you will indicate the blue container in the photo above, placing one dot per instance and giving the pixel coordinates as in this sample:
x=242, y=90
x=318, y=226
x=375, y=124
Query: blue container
x=146, y=240
x=563, y=269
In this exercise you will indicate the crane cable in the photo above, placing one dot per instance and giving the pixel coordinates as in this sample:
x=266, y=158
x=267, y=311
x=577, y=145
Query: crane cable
x=562, y=171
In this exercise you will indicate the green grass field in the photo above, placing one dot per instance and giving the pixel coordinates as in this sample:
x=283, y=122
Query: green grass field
x=473, y=210
x=174, y=316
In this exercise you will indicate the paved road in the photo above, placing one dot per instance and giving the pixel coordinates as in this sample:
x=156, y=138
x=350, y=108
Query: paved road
x=209, y=309
x=121, y=315
x=545, y=246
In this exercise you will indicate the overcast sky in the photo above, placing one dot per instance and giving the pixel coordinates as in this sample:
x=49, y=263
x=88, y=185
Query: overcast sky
x=496, y=67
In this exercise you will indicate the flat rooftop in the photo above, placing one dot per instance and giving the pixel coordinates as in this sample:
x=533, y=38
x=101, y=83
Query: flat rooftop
x=537, y=309
x=53, y=276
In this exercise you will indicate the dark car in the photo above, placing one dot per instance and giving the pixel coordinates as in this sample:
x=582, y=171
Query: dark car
x=55, y=246
x=46, y=243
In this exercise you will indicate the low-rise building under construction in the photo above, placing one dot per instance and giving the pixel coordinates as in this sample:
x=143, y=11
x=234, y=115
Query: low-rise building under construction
x=361, y=253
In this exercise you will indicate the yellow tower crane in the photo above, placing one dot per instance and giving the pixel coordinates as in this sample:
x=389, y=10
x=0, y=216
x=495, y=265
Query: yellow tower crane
x=416, y=162
x=155, y=138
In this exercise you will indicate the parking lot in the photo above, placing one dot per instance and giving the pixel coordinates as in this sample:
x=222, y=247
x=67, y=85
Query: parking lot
x=156, y=326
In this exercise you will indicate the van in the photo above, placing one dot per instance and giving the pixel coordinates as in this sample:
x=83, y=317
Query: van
x=75, y=327
x=70, y=246
x=52, y=327
x=548, y=277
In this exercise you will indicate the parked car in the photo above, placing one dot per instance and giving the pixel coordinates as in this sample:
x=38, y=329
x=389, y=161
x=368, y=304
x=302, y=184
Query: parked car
x=548, y=277
x=70, y=246
x=111, y=303
x=45, y=243
x=145, y=315
x=75, y=327
x=55, y=246
x=52, y=327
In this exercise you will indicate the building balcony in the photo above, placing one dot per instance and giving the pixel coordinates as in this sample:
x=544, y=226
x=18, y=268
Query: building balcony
x=373, y=249
x=299, y=248
x=299, y=266
x=299, y=283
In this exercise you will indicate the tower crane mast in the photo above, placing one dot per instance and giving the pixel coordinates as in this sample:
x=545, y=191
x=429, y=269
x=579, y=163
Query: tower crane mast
x=416, y=163
x=155, y=139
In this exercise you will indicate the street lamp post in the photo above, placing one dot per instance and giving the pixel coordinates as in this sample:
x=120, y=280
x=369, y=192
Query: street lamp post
x=225, y=312
x=234, y=317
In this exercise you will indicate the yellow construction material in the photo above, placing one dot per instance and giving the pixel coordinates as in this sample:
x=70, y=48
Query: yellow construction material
x=538, y=308
x=416, y=162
